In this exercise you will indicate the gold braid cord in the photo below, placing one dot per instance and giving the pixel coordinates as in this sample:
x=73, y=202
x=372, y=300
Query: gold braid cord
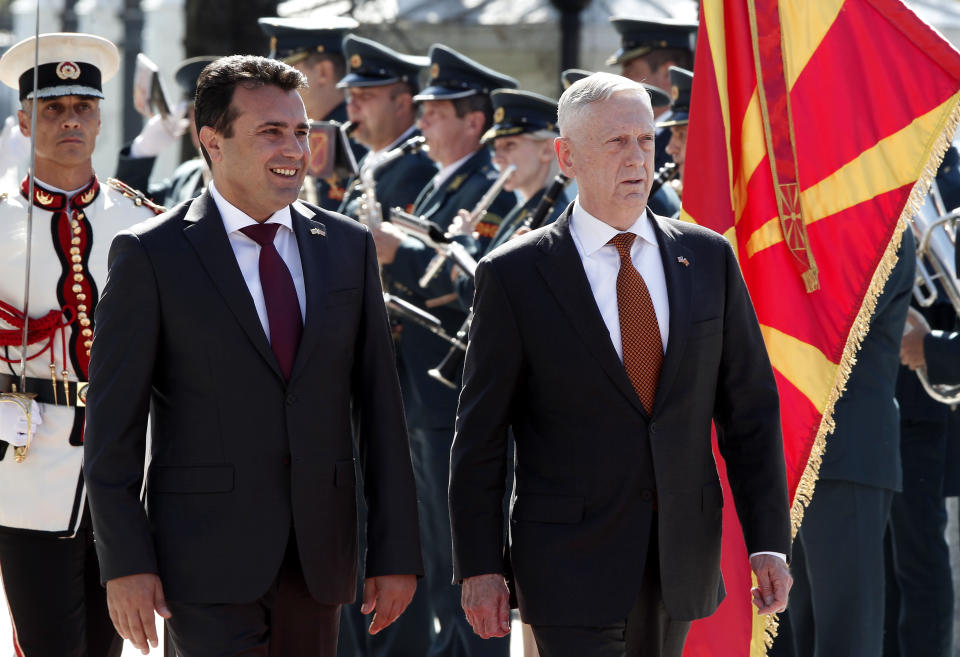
x=138, y=197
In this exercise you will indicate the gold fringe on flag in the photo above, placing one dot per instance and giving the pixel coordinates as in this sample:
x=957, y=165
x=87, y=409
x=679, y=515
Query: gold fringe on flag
x=859, y=330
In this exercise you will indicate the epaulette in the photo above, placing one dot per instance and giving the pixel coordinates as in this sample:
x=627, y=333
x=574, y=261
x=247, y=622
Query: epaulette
x=456, y=182
x=138, y=197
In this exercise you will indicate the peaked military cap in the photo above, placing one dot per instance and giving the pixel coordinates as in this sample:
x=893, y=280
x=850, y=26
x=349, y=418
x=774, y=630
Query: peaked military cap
x=189, y=71
x=453, y=76
x=518, y=112
x=70, y=64
x=658, y=97
x=372, y=64
x=681, y=82
x=293, y=39
x=640, y=36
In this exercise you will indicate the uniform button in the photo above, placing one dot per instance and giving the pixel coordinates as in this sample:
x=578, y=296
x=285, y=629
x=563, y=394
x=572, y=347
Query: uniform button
x=77, y=289
x=86, y=333
x=291, y=399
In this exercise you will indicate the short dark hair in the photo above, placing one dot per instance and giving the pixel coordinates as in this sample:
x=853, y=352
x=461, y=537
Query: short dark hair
x=213, y=105
x=679, y=56
x=339, y=62
x=475, y=103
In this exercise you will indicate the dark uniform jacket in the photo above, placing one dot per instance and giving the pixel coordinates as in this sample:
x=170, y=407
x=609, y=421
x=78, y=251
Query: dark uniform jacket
x=430, y=404
x=331, y=191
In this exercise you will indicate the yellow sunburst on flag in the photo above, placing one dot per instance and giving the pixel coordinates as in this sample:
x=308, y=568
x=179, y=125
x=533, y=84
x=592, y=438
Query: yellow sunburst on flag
x=807, y=154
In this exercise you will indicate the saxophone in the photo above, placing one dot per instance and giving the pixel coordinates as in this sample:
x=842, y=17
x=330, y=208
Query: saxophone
x=369, y=211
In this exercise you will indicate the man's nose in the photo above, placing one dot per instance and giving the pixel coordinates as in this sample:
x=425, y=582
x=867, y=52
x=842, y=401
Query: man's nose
x=295, y=147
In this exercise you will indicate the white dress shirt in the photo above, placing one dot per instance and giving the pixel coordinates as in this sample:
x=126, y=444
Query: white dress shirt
x=445, y=172
x=601, y=262
x=247, y=252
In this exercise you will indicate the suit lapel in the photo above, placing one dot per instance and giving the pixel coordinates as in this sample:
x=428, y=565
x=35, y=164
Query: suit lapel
x=562, y=269
x=312, y=244
x=206, y=234
x=677, y=275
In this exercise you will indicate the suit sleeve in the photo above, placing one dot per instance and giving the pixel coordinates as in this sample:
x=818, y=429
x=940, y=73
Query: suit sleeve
x=747, y=419
x=393, y=534
x=478, y=458
x=121, y=369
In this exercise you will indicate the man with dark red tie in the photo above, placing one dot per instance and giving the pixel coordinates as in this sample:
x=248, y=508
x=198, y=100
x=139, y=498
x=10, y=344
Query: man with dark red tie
x=252, y=328
x=608, y=342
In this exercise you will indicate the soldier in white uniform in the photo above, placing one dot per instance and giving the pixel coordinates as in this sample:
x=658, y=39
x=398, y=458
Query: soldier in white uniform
x=47, y=561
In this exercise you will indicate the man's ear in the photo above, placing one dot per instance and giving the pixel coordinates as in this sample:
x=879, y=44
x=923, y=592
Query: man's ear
x=564, y=156
x=475, y=121
x=24, y=120
x=213, y=142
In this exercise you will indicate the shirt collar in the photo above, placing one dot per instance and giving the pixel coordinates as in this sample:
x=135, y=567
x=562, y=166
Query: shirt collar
x=594, y=234
x=234, y=219
x=374, y=156
x=447, y=171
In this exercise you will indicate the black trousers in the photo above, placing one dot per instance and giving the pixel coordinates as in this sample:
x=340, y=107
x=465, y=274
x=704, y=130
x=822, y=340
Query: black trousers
x=431, y=464
x=920, y=613
x=837, y=601
x=284, y=622
x=647, y=631
x=52, y=585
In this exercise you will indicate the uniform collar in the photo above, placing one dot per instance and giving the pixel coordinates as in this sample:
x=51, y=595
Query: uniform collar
x=54, y=199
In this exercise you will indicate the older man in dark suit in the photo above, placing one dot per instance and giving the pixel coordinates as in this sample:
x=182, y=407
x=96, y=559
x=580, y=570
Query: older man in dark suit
x=253, y=328
x=609, y=341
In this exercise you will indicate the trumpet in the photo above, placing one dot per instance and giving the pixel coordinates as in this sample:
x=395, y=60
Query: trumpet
x=399, y=308
x=452, y=363
x=467, y=226
x=934, y=229
x=369, y=211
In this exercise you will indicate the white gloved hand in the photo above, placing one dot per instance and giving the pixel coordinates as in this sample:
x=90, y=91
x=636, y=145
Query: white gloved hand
x=13, y=422
x=160, y=133
x=14, y=147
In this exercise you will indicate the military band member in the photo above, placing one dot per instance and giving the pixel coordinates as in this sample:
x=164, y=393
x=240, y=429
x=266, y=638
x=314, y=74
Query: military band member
x=665, y=200
x=48, y=564
x=137, y=159
x=455, y=112
x=315, y=48
x=681, y=83
x=648, y=48
x=381, y=84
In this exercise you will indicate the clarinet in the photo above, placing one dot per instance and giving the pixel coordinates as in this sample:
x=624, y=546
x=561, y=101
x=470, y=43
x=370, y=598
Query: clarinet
x=549, y=199
x=664, y=174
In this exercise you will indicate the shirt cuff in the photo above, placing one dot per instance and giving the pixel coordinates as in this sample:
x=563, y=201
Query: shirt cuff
x=776, y=554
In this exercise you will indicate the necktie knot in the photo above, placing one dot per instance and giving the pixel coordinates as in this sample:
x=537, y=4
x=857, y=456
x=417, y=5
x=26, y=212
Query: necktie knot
x=623, y=242
x=262, y=234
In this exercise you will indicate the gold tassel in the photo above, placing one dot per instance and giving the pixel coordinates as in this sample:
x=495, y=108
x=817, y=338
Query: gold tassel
x=940, y=143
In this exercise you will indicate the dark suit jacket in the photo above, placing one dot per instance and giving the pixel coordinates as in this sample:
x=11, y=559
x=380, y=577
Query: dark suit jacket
x=590, y=461
x=238, y=454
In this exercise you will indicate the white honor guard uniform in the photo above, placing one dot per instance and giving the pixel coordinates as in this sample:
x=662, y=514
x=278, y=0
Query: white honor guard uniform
x=47, y=563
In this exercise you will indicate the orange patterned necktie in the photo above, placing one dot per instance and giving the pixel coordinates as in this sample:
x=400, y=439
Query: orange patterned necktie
x=639, y=331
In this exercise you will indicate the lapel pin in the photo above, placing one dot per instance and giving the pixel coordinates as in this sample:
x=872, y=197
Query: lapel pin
x=321, y=231
x=683, y=261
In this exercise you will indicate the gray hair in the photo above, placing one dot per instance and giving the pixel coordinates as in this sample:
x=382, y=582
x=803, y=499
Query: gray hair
x=591, y=89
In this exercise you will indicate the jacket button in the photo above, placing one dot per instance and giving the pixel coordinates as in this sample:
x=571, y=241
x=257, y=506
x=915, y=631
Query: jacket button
x=291, y=399
x=652, y=428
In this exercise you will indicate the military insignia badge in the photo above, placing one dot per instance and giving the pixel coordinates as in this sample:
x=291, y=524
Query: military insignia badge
x=499, y=115
x=435, y=71
x=355, y=61
x=674, y=92
x=68, y=71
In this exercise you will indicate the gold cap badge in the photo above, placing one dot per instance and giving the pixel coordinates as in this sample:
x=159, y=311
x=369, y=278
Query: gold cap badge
x=435, y=71
x=674, y=92
x=355, y=61
x=499, y=115
x=68, y=71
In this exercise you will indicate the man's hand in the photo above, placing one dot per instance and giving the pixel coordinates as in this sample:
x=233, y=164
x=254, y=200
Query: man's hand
x=389, y=595
x=911, y=346
x=773, y=583
x=131, y=601
x=486, y=602
x=387, y=239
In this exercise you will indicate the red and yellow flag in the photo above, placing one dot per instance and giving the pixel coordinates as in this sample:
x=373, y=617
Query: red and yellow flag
x=815, y=130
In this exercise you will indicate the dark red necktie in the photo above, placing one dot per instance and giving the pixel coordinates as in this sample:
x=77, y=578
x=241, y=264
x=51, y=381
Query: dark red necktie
x=639, y=330
x=280, y=297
